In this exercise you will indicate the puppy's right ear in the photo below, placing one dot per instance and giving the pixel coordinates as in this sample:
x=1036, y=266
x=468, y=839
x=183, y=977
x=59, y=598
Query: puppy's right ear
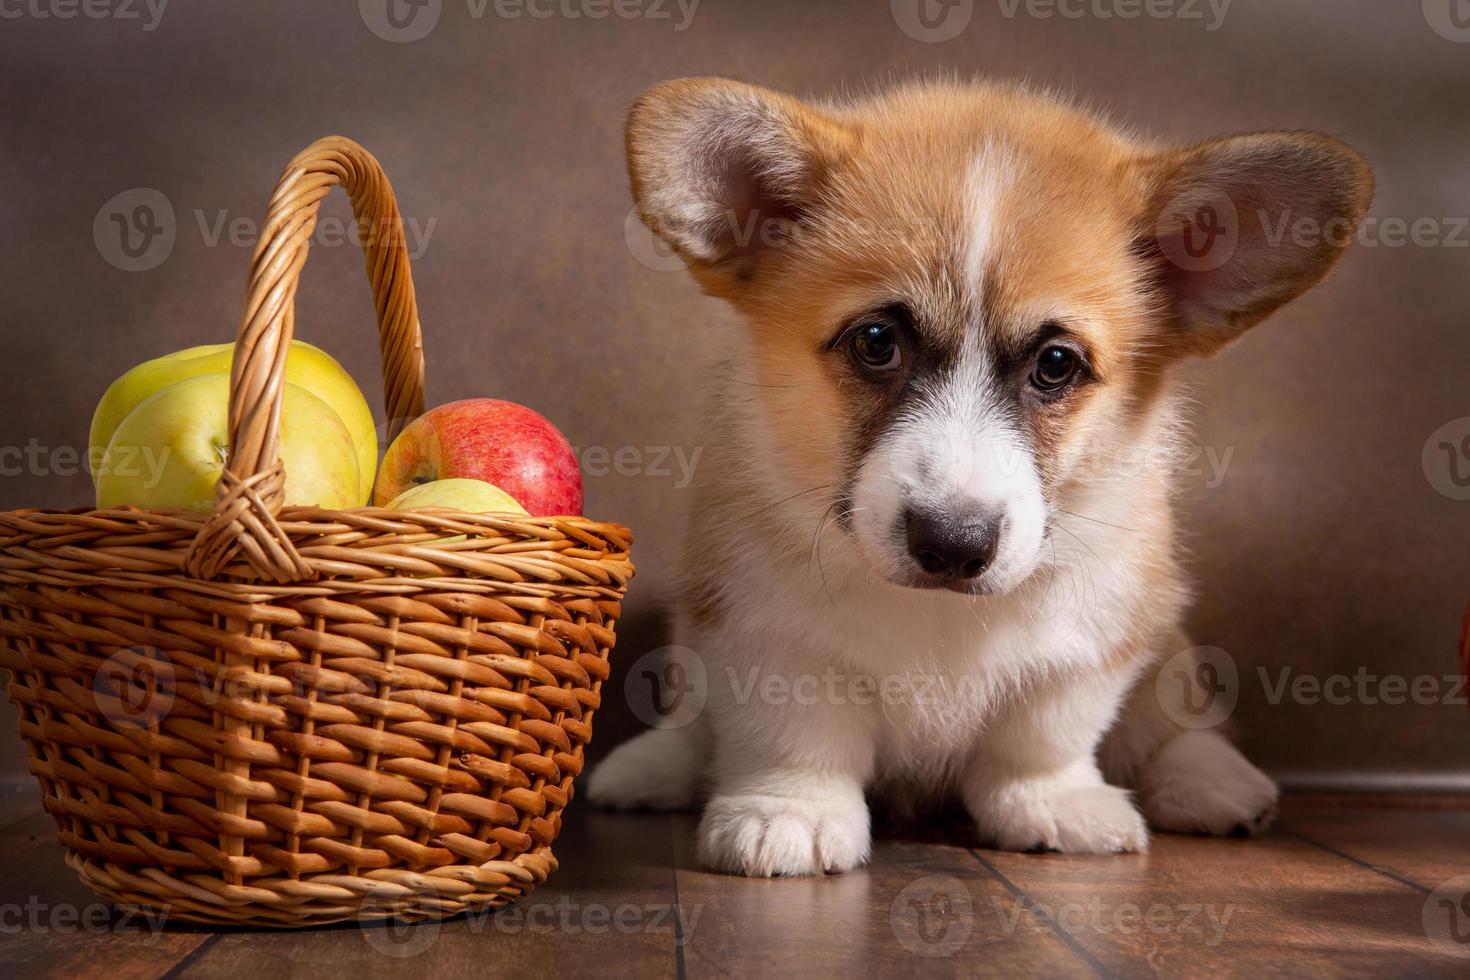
x=726, y=172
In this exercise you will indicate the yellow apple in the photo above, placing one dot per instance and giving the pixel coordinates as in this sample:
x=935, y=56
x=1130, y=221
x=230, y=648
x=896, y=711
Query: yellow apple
x=306, y=366
x=461, y=494
x=169, y=452
x=465, y=496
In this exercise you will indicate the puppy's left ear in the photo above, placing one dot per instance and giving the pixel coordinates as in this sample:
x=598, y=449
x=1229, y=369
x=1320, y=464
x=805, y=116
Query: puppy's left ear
x=1238, y=227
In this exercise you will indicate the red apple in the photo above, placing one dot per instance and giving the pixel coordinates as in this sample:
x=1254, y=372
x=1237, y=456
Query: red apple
x=486, y=439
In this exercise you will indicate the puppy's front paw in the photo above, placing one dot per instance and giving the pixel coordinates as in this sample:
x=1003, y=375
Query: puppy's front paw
x=762, y=836
x=1200, y=784
x=1059, y=814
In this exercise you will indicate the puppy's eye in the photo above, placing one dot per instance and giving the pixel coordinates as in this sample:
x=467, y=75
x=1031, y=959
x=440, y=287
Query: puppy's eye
x=1055, y=368
x=875, y=346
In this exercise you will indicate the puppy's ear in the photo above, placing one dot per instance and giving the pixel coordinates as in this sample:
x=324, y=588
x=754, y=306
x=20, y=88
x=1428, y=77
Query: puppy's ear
x=1239, y=226
x=726, y=172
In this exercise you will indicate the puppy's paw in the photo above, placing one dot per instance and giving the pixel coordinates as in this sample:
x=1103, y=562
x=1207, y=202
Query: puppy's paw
x=1059, y=814
x=657, y=770
x=1200, y=784
x=761, y=836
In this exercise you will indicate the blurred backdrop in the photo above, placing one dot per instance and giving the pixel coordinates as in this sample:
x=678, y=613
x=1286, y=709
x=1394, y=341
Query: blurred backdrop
x=1329, y=507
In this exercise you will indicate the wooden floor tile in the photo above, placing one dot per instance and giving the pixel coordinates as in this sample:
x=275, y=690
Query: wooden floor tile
x=1269, y=907
x=1426, y=847
x=922, y=908
x=51, y=925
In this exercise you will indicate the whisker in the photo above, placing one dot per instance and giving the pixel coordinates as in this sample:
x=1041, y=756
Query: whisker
x=1063, y=527
x=1051, y=583
x=1088, y=580
x=1084, y=517
x=748, y=384
x=761, y=510
x=816, y=551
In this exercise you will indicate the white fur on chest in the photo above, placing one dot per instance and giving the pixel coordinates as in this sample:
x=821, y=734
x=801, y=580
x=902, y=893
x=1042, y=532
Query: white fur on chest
x=919, y=673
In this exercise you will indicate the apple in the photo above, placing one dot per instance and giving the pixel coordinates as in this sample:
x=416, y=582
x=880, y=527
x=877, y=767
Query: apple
x=499, y=442
x=169, y=452
x=306, y=366
x=466, y=496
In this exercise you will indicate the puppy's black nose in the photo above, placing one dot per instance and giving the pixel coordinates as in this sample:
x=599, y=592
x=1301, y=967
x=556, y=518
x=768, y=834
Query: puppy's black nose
x=955, y=549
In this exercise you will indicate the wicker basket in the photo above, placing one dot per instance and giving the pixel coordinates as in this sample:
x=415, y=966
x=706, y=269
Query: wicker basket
x=296, y=716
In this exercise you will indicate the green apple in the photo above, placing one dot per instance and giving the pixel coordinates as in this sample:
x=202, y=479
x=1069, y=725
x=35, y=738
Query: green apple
x=306, y=366
x=169, y=452
x=466, y=496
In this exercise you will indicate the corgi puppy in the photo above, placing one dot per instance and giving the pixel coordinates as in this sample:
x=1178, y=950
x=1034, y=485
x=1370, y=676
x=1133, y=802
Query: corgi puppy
x=932, y=550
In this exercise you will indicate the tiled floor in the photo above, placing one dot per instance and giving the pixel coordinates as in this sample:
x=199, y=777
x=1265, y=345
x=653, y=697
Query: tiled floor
x=1339, y=888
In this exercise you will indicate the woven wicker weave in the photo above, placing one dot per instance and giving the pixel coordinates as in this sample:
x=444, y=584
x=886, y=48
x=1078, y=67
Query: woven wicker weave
x=297, y=716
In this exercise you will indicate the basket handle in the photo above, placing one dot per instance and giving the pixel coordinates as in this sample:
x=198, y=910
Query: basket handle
x=251, y=491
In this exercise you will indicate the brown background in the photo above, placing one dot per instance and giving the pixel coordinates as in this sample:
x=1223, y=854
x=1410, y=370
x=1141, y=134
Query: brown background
x=1326, y=548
